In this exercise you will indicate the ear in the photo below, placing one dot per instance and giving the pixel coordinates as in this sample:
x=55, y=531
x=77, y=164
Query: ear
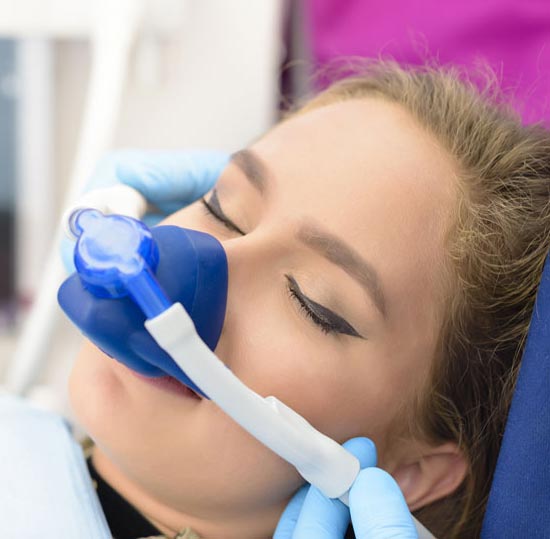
x=434, y=474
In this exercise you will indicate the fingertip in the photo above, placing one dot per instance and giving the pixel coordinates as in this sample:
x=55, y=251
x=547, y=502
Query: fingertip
x=126, y=172
x=377, y=489
x=210, y=165
x=364, y=449
x=376, y=479
x=377, y=504
x=218, y=158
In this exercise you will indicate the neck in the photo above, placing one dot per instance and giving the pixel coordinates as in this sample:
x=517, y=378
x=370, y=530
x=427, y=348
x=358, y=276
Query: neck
x=170, y=520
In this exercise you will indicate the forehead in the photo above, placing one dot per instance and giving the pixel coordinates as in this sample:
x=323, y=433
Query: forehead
x=358, y=155
x=371, y=174
x=355, y=143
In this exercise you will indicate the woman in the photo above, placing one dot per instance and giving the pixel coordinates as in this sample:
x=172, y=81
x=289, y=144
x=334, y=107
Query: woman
x=384, y=245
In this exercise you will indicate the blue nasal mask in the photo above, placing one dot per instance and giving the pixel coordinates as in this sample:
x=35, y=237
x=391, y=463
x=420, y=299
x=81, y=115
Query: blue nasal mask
x=126, y=273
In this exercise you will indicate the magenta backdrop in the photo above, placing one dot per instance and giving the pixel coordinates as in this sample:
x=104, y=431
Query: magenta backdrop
x=513, y=36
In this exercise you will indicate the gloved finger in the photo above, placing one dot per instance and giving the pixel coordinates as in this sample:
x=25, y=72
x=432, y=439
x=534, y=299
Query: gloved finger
x=364, y=449
x=321, y=517
x=287, y=522
x=378, y=507
x=325, y=518
x=171, y=179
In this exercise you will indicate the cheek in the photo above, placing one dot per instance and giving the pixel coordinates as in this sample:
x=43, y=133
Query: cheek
x=276, y=353
x=86, y=378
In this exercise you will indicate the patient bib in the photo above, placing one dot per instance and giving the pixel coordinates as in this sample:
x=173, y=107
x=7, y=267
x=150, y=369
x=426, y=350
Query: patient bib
x=45, y=488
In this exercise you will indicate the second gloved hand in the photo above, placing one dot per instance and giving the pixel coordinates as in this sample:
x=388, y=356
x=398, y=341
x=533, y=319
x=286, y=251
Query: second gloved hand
x=377, y=507
x=168, y=179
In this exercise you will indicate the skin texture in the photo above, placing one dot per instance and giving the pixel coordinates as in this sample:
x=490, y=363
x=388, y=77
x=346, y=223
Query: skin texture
x=367, y=173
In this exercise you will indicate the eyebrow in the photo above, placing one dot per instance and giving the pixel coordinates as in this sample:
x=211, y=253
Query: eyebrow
x=340, y=253
x=252, y=167
x=313, y=236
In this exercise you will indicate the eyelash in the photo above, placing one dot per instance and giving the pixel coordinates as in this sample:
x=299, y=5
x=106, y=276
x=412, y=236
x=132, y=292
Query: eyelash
x=323, y=325
x=210, y=211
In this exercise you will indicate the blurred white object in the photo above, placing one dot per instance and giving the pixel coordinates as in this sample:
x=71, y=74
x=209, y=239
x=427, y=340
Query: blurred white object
x=35, y=186
x=121, y=199
x=113, y=31
x=76, y=18
x=214, y=86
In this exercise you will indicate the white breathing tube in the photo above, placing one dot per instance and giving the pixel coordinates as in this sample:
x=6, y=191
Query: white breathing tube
x=319, y=459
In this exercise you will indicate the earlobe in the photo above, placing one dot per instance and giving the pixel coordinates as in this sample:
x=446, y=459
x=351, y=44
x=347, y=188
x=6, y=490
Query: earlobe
x=432, y=476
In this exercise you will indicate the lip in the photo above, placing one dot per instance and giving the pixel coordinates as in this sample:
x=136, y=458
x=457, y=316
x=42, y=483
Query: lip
x=168, y=384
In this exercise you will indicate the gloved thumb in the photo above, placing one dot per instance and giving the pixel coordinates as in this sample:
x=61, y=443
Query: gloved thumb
x=172, y=179
x=378, y=508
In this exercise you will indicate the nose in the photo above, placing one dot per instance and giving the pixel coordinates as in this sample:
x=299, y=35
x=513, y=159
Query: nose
x=255, y=262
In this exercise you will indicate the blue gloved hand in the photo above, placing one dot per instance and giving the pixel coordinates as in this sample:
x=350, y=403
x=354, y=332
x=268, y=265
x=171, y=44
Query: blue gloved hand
x=168, y=179
x=377, y=506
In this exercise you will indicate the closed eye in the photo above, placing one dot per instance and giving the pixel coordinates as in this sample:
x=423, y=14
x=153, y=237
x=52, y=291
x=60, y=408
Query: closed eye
x=325, y=319
x=214, y=209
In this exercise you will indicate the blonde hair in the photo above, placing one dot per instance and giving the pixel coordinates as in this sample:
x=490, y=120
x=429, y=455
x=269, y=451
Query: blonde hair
x=496, y=251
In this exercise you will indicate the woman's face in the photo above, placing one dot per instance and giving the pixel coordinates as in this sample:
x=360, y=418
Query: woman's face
x=342, y=210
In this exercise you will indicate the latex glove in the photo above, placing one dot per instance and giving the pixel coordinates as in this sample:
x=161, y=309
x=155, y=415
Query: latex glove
x=377, y=507
x=168, y=179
